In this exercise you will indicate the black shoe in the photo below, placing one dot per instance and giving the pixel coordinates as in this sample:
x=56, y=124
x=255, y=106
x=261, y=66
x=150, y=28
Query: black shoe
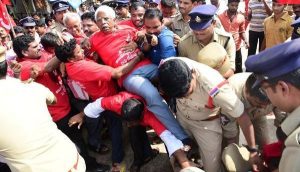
x=93, y=166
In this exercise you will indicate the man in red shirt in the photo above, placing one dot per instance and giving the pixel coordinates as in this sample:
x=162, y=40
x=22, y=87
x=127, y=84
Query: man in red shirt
x=234, y=23
x=49, y=40
x=137, y=12
x=109, y=43
x=132, y=109
x=30, y=57
x=97, y=81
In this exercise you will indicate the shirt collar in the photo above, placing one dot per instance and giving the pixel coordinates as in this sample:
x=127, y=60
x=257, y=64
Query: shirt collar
x=179, y=17
x=285, y=16
x=291, y=122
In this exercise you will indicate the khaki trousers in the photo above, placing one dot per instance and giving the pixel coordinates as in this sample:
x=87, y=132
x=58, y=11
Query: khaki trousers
x=208, y=135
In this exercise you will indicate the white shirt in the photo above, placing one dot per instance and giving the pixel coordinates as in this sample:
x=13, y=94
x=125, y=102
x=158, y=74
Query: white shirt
x=29, y=139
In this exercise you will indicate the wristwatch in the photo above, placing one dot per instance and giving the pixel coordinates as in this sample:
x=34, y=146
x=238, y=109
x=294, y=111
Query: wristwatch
x=251, y=150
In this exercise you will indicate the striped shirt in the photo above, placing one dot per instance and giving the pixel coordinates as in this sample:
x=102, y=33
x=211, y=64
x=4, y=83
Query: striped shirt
x=258, y=15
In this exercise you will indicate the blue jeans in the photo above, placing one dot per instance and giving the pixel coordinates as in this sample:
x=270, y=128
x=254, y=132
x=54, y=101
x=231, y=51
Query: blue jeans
x=138, y=82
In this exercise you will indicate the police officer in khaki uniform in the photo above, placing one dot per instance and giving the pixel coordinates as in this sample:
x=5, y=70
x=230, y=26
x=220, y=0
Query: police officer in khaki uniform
x=180, y=23
x=202, y=94
x=278, y=73
x=256, y=103
x=59, y=9
x=29, y=25
x=257, y=107
x=203, y=25
x=122, y=10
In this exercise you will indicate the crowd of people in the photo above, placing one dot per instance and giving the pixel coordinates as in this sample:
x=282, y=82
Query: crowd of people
x=175, y=66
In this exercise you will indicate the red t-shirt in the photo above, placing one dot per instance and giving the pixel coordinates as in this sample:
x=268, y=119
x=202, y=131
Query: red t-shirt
x=94, y=78
x=47, y=55
x=79, y=38
x=109, y=48
x=130, y=24
x=51, y=81
x=114, y=103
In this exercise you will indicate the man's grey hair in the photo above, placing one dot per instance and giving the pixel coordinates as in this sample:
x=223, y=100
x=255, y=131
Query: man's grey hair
x=70, y=15
x=107, y=10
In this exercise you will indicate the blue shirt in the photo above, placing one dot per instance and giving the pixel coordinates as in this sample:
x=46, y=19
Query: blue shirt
x=165, y=47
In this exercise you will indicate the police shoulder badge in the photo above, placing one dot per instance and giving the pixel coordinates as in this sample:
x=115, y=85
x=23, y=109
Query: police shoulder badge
x=298, y=30
x=198, y=19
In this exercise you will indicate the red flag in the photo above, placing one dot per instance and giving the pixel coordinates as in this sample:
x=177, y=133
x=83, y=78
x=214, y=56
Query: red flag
x=289, y=1
x=5, y=18
x=6, y=2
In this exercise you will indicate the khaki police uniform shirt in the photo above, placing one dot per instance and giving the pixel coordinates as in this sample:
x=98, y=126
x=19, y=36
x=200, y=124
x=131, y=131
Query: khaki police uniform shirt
x=118, y=18
x=179, y=26
x=224, y=99
x=58, y=28
x=290, y=157
x=238, y=81
x=189, y=46
x=256, y=115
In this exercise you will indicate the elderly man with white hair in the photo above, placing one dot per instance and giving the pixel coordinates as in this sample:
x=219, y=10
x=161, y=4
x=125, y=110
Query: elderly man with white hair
x=109, y=43
x=72, y=22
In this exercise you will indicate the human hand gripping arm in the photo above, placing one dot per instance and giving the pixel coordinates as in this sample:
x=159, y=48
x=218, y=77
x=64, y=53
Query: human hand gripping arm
x=248, y=131
x=175, y=148
x=76, y=119
x=52, y=64
x=92, y=110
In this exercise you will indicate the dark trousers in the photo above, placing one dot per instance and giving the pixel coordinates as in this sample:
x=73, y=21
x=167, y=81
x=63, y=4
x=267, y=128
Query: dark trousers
x=4, y=167
x=140, y=144
x=238, y=61
x=73, y=133
x=94, y=126
x=254, y=38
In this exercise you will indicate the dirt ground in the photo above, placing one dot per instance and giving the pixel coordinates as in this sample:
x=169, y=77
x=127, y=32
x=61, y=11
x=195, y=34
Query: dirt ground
x=160, y=163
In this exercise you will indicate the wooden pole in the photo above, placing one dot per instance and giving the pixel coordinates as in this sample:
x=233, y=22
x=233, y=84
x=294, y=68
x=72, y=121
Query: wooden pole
x=10, y=24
